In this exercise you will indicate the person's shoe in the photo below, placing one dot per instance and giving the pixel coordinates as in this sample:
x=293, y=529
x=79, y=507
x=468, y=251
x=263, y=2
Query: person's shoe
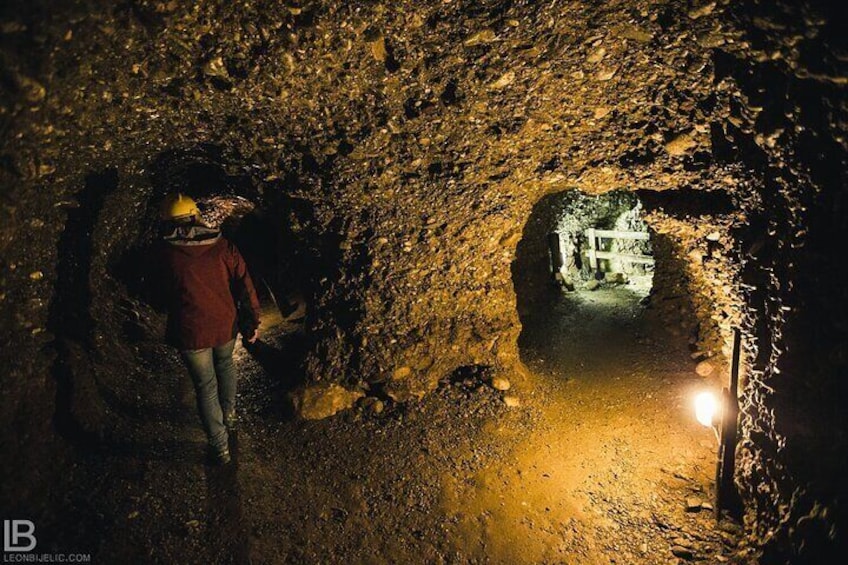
x=231, y=420
x=222, y=457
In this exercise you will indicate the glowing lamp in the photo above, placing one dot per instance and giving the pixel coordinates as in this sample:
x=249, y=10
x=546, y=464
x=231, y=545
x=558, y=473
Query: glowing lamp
x=706, y=409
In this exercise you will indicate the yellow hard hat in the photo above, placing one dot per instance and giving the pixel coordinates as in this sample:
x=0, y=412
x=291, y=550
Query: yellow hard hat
x=179, y=206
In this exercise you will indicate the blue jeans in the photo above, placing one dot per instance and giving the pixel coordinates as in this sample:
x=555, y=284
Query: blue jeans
x=214, y=376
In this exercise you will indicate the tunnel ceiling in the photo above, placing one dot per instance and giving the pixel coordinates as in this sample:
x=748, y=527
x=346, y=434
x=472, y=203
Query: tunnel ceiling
x=419, y=135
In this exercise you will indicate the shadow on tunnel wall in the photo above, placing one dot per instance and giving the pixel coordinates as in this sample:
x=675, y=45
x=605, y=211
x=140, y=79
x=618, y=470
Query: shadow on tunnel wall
x=85, y=406
x=70, y=319
x=531, y=276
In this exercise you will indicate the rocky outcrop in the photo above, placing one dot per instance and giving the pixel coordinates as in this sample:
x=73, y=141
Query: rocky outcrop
x=319, y=402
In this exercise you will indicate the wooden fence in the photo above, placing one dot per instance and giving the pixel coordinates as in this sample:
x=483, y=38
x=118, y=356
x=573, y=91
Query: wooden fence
x=596, y=254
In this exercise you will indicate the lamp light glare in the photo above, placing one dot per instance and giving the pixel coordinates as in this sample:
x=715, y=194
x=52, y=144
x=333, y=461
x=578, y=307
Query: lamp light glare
x=706, y=407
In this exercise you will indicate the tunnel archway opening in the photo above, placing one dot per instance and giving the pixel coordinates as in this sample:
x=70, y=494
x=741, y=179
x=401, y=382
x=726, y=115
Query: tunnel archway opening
x=284, y=247
x=597, y=255
x=226, y=194
x=265, y=225
x=600, y=242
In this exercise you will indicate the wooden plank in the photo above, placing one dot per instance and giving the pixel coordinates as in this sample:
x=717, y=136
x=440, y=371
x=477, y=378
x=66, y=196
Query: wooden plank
x=555, y=252
x=727, y=497
x=593, y=248
x=646, y=259
x=615, y=234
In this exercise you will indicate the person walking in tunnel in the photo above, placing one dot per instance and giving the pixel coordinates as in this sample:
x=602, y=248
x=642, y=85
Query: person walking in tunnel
x=210, y=298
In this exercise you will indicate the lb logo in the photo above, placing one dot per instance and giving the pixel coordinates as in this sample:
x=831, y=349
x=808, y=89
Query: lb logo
x=18, y=535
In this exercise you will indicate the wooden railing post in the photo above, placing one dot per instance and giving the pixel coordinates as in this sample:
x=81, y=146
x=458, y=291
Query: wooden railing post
x=593, y=247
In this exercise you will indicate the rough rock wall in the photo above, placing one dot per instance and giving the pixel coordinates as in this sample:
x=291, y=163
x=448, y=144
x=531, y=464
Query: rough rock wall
x=415, y=138
x=420, y=136
x=697, y=282
x=789, y=110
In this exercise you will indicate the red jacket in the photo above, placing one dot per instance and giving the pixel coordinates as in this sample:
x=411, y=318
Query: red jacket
x=207, y=289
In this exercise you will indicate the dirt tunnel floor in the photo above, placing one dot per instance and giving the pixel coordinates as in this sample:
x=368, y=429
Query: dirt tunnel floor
x=595, y=466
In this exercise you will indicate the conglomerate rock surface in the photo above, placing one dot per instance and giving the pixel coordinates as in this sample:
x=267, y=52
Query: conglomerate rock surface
x=399, y=149
x=419, y=137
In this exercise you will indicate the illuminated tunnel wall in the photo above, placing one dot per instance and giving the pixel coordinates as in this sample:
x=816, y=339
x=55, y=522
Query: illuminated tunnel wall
x=408, y=146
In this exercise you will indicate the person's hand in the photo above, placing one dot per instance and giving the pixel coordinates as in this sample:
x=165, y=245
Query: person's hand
x=254, y=337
